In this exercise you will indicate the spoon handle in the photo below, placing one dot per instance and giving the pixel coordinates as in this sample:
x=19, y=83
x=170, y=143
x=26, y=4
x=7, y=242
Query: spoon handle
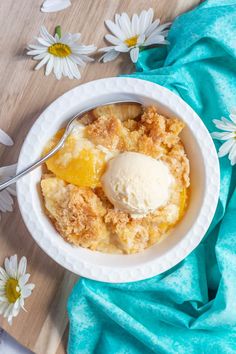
x=34, y=164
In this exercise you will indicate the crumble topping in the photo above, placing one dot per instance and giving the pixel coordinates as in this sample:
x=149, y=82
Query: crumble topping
x=85, y=217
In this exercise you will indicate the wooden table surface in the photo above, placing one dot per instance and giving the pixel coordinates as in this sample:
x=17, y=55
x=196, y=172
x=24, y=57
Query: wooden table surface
x=24, y=94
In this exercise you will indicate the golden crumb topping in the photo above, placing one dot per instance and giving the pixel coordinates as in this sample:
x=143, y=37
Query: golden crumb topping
x=85, y=217
x=76, y=212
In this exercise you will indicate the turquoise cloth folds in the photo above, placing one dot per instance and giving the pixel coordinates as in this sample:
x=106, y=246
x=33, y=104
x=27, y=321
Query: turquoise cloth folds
x=192, y=307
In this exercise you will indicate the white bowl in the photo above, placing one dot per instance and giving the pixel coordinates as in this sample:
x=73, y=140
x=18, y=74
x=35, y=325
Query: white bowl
x=184, y=237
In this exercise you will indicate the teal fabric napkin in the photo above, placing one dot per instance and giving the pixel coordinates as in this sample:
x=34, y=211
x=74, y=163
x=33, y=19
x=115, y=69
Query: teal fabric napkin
x=192, y=307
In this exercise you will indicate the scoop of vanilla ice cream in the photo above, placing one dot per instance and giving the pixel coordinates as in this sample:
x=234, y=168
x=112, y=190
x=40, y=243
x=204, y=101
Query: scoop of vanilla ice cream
x=137, y=183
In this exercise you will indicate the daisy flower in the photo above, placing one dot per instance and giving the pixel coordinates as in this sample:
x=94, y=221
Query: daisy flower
x=61, y=54
x=13, y=287
x=228, y=135
x=131, y=35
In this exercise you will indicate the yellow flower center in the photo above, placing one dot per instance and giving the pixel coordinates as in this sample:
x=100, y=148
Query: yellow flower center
x=59, y=50
x=12, y=291
x=132, y=41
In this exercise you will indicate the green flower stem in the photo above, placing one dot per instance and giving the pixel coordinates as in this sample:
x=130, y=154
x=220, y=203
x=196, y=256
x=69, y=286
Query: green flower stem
x=58, y=31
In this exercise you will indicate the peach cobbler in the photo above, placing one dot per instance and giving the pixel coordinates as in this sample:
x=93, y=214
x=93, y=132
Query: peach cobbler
x=120, y=182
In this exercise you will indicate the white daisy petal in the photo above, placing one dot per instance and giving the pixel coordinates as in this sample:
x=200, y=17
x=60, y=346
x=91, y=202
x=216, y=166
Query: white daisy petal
x=227, y=126
x=42, y=62
x=70, y=38
x=77, y=60
x=125, y=24
x=115, y=29
x=25, y=292
x=135, y=25
x=149, y=18
x=12, y=190
x=2, y=283
x=8, y=267
x=158, y=39
x=36, y=47
x=66, y=38
x=86, y=58
x=225, y=148
x=141, y=40
x=16, y=308
x=13, y=262
x=163, y=33
x=233, y=159
x=57, y=38
x=122, y=48
x=5, y=139
x=66, y=69
x=4, y=206
x=83, y=49
x=109, y=56
x=156, y=32
x=112, y=39
x=59, y=69
x=49, y=66
x=223, y=135
x=7, y=171
x=36, y=51
x=233, y=116
x=3, y=298
x=23, y=279
x=134, y=54
x=143, y=21
x=43, y=42
x=73, y=69
x=46, y=35
x=232, y=154
x=22, y=301
x=75, y=37
x=55, y=5
x=3, y=274
x=39, y=56
x=8, y=310
x=152, y=27
x=119, y=21
x=30, y=286
x=3, y=307
x=16, y=304
x=56, y=66
x=6, y=197
x=117, y=18
x=22, y=267
x=163, y=26
x=228, y=122
x=106, y=49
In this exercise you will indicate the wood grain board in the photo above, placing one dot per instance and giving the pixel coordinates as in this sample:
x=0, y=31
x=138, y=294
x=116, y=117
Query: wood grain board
x=24, y=94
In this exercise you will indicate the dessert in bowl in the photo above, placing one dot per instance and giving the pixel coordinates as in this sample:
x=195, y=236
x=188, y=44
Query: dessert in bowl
x=119, y=184
x=120, y=190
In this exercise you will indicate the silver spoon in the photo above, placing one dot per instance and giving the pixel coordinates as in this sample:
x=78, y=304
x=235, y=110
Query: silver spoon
x=60, y=144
